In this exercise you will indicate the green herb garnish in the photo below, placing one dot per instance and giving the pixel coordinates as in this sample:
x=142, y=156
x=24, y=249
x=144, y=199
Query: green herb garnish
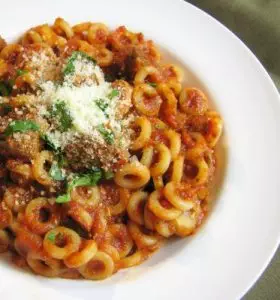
x=56, y=172
x=153, y=84
x=49, y=143
x=21, y=72
x=51, y=237
x=70, y=68
x=113, y=94
x=21, y=126
x=102, y=105
x=62, y=114
x=107, y=135
x=108, y=175
x=87, y=179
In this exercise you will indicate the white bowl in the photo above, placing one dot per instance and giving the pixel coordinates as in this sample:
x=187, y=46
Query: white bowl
x=242, y=232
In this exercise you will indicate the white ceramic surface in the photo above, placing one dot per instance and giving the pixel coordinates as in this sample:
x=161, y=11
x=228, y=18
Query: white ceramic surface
x=242, y=232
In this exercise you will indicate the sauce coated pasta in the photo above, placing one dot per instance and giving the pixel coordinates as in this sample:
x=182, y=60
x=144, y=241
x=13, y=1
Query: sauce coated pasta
x=105, y=153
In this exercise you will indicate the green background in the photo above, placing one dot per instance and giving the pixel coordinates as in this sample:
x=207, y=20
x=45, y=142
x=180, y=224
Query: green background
x=257, y=24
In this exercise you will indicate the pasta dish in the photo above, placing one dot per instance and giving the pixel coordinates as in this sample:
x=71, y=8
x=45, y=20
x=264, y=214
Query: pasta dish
x=105, y=153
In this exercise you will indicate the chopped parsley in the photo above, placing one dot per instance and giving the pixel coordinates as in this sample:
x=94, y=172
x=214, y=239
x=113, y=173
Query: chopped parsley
x=86, y=179
x=107, y=135
x=46, y=138
x=51, y=237
x=153, y=84
x=70, y=67
x=108, y=175
x=56, y=172
x=21, y=72
x=21, y=126
x=62, y=115
x=113, y=94
x=102, y=105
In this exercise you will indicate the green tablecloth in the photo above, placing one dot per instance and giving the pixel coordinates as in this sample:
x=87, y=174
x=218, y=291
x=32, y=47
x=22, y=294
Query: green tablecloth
x=257, y=23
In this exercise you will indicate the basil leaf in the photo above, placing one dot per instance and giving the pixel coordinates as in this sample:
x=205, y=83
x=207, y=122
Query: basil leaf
x=113, y=94
x=49, y=143
x=21, y=72
x=107, y=135
x=51, y=237
x=87, y=179
x=153, y=84
x=21, y=126
x=62, y=114
x=56, y=173
x=63, y=198
x=70, y=68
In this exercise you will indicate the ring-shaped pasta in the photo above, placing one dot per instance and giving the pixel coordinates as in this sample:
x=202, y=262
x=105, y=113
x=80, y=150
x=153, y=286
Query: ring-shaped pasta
x=21, y=172
x=158, y=182
x=110, y=250
x=10, y=49
x=171, y=194
x=133, y=260
x=4, y=241
x=38, y=167
x=201, y=173
x=81, y=28
x=174, y=139
x=193, y=101
x=149, y=241
x=215, y=128
x=175, y=86
x=103, y=56
x=88, y=196
x=149, y=218
x=172, y=73
x=163, y=160
x=135, y=207
x=98, y=33
x=66, y=241
x=42, y=265
x=40, y=216
x=146, y=100
x=63, y=27
x=132, y=175
x=100, y=222
x=188, y=222
x=120, y=239
x=99, y=267
x=158, y=210
x=24, y=79
x=146, y=72
x=147, y=156
x=120, y=207
x=78, y=213
x=178, y=169
x=165, y=228
x=31, y=37
x=83, y=256
x=169, y=105
x=26, y=241
x=6, y=217
x=3, y=67
x=145, y=133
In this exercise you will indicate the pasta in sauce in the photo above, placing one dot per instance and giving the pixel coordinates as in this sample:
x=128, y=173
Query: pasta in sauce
x=105, y=154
